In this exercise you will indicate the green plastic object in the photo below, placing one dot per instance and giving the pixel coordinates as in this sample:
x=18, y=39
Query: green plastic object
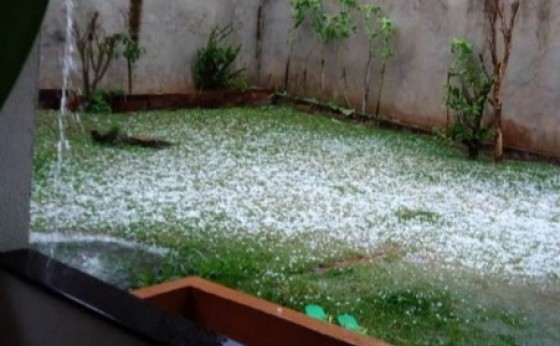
x=315, y=311
x=20, y=21
x=349, y=322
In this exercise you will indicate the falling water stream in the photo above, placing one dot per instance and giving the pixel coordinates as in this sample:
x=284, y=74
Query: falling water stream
x=68, y=66
x=108, y=259
x=62, y=144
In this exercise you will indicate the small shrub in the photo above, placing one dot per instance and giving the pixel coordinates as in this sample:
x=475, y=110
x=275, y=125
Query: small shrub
x=132, y=52
x=213, y=66
x=98, y=102
x=467, y=94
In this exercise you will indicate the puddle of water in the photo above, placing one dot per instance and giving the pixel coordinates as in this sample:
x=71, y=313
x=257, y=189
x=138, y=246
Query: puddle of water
x=524, y=311
x=535, y=313
x=109, y=261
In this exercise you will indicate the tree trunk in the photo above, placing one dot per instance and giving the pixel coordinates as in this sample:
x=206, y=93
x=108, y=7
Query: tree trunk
x=130, y=76
x=367, y=83
x=259, y=38
x=305, y=81
x=345, y=89
x=381, y=85
x=448, y=110
x=134, y=23
x=85, y=51
x=343, y=79
x=286, y=75
x=306, y=63
x=496, y=11
x=85, y=78
x=287, y=69
x=499, y=138
x=473, y=151
x=322, y=75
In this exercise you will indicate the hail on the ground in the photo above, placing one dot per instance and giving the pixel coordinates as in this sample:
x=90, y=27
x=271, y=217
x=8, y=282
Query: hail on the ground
x=363, y=190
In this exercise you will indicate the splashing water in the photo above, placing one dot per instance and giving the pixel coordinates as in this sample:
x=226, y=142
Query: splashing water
x=106, y=258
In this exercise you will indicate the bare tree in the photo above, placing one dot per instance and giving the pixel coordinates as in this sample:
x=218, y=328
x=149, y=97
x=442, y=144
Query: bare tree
x=96, y=50
x=500, y=23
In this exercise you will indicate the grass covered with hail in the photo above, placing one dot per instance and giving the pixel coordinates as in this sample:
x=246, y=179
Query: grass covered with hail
x=403, y=233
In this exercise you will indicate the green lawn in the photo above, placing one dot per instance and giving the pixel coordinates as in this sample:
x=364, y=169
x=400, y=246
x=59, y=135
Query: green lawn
x=423, y=246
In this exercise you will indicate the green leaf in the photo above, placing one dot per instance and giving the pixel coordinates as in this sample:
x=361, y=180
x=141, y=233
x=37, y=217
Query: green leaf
x=349, y=322
x=316, y=311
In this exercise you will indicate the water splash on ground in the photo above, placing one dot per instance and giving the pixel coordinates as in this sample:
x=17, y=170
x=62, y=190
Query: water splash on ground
x=109, y=259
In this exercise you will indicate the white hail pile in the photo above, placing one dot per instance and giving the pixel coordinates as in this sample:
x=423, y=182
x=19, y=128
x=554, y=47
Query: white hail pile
x=360, y=189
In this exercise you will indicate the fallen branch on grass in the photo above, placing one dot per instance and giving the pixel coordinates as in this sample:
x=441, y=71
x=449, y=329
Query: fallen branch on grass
x=113, y=138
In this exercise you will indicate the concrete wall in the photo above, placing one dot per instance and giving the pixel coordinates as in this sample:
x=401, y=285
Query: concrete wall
x=17, y=124
x=173, y=30
x=53, y=38
x=415, y=76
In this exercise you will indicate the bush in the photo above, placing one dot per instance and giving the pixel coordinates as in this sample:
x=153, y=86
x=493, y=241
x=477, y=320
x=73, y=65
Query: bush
x=467, y=94
x=98, y=102
x=213, y=66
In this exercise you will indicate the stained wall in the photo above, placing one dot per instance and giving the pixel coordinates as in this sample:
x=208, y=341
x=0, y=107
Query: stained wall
x=173, y=30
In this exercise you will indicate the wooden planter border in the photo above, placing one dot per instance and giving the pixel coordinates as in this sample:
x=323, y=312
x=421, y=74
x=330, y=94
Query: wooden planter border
x=244, y=318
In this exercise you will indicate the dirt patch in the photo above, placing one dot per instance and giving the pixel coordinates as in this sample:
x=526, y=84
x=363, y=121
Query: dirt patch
x=210, y=99
x=385, y=252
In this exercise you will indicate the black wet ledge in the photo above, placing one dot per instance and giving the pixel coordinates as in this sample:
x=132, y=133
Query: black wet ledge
x=104, y=301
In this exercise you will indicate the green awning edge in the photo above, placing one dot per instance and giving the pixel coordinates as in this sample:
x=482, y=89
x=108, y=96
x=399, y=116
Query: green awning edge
x=20, y=22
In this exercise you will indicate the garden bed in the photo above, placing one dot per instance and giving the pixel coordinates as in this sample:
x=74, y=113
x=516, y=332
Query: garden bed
x=50, y=99
x=311, y=106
